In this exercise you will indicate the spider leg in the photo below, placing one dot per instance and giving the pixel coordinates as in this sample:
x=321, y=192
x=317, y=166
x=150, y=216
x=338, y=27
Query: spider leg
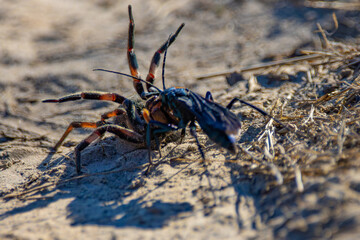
x=155, y=61
x=130, y=106
x=182, y=136
x=76, y=125
x=133, y=65
x=123, y=133
x=114, y=113
x=92, y=95
x=132, y=119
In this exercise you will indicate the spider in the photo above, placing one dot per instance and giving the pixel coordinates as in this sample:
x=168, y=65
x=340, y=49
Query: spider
x=137, y=116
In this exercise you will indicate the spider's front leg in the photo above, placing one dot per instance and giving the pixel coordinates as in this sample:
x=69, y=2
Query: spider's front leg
x=132, y=61
x=133, y=65
x=155, y=61
x=90, y=95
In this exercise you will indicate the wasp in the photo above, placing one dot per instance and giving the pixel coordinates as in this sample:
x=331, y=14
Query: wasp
x=166, y=110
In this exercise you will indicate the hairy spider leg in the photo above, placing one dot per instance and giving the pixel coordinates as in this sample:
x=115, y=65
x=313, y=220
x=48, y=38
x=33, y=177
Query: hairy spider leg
x=132, y=117
x=133, y=64
x=155, y=61
x=121, y=132
x=163, y=66
x=113, y=113
x=84, y=95
x=91, y=95
x=74, y=125
x=114, y=97
x=134, y=121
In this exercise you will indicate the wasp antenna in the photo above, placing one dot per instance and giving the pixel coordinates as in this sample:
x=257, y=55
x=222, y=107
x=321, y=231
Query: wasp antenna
x=127, y=75
x=229, y=106
x=163, y=67
x=131, y=18
x=263, y=112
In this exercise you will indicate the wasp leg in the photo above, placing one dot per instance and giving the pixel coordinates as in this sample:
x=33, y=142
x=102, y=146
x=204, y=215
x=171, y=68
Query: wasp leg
x=161, y=128
x=193, y=133
x=155, y=61
x=263, y=112
x=76, y=125
x=133, y=64
x=182, y=135
x=119, y=131
x=93, y=95
x=209, y=96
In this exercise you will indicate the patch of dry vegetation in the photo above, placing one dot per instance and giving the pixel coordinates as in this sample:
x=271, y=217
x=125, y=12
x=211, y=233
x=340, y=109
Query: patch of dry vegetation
x=323, y=144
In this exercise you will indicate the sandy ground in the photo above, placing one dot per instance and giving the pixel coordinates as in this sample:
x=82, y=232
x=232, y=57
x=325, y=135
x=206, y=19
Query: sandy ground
x=49, y=48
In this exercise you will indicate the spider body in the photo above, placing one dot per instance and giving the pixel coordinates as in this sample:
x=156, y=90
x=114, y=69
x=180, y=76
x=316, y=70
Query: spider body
x=134, y=122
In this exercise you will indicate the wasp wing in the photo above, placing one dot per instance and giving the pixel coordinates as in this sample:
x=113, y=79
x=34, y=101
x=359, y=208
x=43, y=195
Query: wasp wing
x=218, y=122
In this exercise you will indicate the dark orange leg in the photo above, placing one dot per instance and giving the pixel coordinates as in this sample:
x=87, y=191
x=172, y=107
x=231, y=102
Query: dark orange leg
x=132, y=121
x=114, y=113
x=133, y=65
x=93, y=95
x=155, y=61
x=119, y=131
x=76, y=125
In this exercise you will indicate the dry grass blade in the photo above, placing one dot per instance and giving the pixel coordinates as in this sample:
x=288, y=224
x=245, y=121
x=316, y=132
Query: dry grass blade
x=276, y=172
x=298, y=179
x=311, y=115
x=341, y=138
